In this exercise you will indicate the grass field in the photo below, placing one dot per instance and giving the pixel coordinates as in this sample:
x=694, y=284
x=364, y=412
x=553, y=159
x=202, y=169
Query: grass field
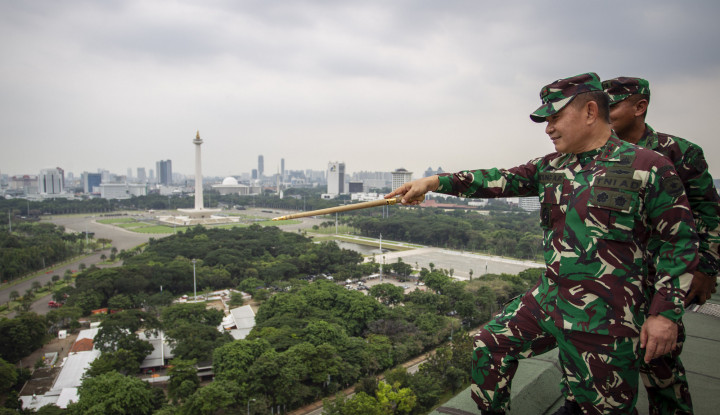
x=115, y=221
x=134, y=225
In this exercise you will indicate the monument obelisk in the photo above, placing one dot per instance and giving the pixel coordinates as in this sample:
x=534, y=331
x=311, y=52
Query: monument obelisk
x=198, y=215
x=198, y=173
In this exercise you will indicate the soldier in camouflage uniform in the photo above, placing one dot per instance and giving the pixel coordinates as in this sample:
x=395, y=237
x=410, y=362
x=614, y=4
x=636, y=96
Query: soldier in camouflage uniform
x=603, y=200
x=664, y=377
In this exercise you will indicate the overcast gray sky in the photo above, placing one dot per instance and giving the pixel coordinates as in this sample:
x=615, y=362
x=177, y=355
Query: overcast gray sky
x=377, y=84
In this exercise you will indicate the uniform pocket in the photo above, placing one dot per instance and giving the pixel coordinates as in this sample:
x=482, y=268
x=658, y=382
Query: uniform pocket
x=611, y=214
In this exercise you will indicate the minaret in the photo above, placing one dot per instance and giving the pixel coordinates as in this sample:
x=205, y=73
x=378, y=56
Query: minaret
x=198, y=173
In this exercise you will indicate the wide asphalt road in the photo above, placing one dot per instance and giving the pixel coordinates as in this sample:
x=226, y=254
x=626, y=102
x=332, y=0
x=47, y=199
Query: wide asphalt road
x=121, y=239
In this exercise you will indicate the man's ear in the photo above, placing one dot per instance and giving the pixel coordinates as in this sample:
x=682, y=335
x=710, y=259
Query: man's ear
x=591, y=111
x=641, y=107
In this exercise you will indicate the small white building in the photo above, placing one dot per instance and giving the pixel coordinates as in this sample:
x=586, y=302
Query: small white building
x=122, y=190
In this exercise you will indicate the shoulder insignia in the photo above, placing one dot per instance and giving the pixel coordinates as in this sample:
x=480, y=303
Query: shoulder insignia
x=664, y=169
x=673, y=185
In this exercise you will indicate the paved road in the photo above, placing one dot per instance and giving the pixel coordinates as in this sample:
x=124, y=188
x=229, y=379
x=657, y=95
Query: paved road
x=460, y=262
x=121, y=239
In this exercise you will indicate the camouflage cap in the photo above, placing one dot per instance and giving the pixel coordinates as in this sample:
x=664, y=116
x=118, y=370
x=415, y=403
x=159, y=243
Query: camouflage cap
x=557, y=95
x=622, y=87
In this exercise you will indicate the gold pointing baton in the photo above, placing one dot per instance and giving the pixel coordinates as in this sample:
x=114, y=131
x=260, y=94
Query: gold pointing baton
x=354, y=206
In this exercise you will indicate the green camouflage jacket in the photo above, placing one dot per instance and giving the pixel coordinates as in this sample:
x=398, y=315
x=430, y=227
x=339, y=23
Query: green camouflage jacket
x=692, y=168
x=599, y=210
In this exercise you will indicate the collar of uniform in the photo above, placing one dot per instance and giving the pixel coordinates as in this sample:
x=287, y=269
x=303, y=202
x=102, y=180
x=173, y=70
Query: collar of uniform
x=611, y=150
x=649, y=138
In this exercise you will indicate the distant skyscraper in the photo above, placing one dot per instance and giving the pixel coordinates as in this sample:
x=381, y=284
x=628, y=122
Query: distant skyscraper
x=261, y=166
x=141, y=175
x=430, y=172
x=400, y=177
x=282, y=168
x=91, y=182
x=129, y=174
x=151, y=175
x=254, y=174
x=164, y=172
x=336, y=178
x=50, y=181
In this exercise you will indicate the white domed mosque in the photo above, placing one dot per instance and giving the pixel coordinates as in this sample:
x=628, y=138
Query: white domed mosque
x=199, y=215
x=230, y=186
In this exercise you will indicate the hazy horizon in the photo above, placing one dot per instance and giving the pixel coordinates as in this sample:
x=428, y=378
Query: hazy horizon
x=378, y=85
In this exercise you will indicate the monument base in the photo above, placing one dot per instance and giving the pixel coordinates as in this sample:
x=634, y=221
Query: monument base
x=189, y=217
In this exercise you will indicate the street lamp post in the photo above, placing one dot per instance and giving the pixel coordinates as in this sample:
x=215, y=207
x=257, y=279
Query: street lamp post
x=194, y=283
x=248, y=408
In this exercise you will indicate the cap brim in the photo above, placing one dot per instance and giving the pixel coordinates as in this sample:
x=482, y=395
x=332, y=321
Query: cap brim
x=617, y=98
x=546, y=110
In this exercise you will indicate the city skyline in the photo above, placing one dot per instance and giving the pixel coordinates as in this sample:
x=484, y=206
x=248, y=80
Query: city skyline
x=378, y=85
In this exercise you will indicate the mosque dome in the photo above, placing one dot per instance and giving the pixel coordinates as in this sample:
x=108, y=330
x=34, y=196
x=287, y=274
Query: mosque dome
x=230, y=181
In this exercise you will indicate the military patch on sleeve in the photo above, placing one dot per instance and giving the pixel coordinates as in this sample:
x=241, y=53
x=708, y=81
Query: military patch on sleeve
x=694, y=158
x=673, y=185
x=662, y=170
x=611, y=199
x=546, y=215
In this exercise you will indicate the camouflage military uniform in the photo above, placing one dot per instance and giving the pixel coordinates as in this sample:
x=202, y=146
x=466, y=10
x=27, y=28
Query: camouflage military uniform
x=664, y=377
x=599, y=211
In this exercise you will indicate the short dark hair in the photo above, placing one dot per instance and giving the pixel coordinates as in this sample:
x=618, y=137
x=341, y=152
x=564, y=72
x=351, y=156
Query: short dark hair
x=601, y=99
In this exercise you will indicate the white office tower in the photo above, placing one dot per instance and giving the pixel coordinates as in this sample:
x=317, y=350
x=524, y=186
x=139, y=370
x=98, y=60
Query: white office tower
x=336, y=178
x=400, y=177
x=50, y=182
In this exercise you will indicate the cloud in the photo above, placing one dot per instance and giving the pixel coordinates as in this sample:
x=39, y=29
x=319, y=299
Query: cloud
x=117, y=84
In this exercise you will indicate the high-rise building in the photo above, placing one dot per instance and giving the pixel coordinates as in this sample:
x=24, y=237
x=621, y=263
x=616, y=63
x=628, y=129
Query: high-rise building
x=129, y=174
x=164, y=172
x=336, y=178
x=142, y=178
x=400, y=177
x=50, y=181
x=151, y=176
x=91, y=182
x=261, y=166
x=282, y=168
x=430, y=172
x=373, y=179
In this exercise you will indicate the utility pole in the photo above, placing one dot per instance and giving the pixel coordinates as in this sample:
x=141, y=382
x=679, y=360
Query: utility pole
x=194, y=284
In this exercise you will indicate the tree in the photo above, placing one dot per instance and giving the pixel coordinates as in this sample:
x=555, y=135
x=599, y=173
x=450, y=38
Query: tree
x=387, y=293
x=114, y=394
x=233, y=360
x=8, y=376
x=359, y=404
x=397, y=400
x=219, y=395
x=14, y=295
x=36, y=286
x=183, y=379
x=195, y=341
x=122, y=361
x=21, y=336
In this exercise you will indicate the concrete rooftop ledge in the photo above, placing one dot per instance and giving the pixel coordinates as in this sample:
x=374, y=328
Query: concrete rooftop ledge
x=536, y=386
